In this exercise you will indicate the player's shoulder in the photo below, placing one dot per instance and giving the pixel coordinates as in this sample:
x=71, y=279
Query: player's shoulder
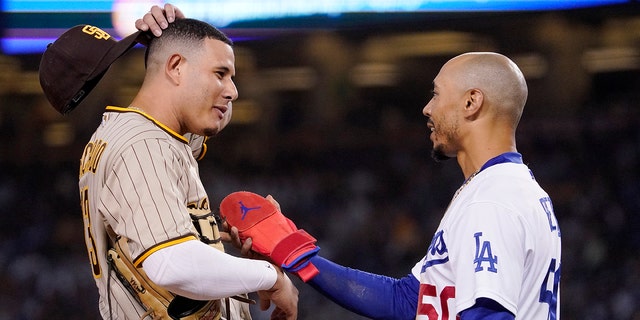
x=122, y=130
x=134, y=126
x=509, y=182
x=507, y=175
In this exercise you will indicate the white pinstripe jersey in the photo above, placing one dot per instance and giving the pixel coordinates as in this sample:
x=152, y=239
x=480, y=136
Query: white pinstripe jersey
x=139, y=177
x=499, y=239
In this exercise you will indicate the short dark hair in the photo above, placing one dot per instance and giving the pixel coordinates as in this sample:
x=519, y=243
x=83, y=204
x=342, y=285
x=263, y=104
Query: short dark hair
x=187, y=30
x=194, y=29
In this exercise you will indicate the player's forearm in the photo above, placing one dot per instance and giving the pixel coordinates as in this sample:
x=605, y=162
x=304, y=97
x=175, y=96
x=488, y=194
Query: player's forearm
x=197, y=271
x=367, y=294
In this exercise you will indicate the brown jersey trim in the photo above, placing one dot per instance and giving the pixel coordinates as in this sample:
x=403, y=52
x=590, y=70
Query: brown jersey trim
x=138, y=261
x=158, y=123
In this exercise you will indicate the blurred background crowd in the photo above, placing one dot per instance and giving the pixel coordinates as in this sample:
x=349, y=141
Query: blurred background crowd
x=329, y=122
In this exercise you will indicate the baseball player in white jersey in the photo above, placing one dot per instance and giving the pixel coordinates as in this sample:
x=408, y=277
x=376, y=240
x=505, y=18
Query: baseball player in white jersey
x=154, y=245
x=497, y=251
x=498, y=240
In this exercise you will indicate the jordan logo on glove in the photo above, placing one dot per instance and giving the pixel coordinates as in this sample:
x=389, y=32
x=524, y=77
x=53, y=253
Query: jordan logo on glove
x=245, y=209
x=272, y=234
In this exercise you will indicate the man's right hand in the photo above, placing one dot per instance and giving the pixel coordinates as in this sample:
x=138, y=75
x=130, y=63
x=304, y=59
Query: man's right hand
x=158, y=19
x=285, y=297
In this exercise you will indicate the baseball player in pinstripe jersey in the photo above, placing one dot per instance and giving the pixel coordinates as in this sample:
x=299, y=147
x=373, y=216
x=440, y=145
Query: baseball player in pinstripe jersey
x=141, y=191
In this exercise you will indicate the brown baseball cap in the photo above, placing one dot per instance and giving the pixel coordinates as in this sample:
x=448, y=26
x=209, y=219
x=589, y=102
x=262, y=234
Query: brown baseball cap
x=73, y=65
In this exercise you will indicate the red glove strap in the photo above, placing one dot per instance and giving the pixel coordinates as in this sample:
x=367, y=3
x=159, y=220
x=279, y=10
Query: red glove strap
x=291, y=248
x=308, y=272
x=289, y=245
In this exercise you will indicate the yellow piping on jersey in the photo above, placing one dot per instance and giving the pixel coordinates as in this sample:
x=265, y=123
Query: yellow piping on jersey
x=204, y=149
x=158, y=123
x=138, y=261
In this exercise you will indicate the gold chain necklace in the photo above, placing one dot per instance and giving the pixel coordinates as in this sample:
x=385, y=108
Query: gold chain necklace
x=466, y=182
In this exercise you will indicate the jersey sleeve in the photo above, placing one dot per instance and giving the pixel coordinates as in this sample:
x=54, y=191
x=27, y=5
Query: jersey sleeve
x=486, y=309
x=145, y=201
x=488, y=247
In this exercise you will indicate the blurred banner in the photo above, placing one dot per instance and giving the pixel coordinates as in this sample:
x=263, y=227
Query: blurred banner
x=29, y=25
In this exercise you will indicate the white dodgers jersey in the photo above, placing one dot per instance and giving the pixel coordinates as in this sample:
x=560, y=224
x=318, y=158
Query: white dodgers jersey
x=499, y=239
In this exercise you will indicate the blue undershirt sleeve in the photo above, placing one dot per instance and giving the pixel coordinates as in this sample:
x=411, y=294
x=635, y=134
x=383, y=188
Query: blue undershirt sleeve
x=486, y=309
x=367, y=294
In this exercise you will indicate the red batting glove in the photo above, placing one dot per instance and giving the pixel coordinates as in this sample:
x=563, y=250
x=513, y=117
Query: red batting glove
x=273, y=235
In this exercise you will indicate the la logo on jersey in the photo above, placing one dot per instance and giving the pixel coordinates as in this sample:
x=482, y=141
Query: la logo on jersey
x=484, y=255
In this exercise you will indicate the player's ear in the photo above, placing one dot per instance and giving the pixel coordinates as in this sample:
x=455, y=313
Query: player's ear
x=473, y=102
x=172, y=68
